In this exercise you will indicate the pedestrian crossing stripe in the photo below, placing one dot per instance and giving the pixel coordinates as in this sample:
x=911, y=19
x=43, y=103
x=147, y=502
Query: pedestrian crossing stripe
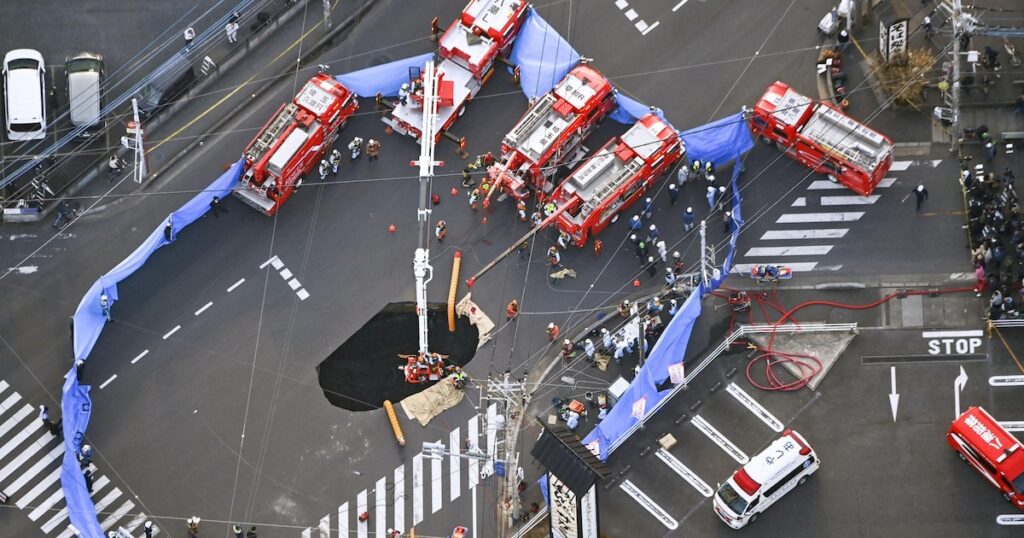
x=824, y=184
x=826, y=233
x=839, y=216
x=806, y=250
x=849, y=200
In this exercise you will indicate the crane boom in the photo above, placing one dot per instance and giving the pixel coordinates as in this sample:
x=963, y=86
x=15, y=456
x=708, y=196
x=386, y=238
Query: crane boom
x=421, y=267
x=533, y=231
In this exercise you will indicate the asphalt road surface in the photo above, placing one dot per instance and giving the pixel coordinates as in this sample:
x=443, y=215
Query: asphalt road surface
x=206, y=398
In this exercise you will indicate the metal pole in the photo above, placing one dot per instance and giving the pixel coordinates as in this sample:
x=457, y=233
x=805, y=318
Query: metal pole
x=703, y=254
x=954, y=93
x=327, y=14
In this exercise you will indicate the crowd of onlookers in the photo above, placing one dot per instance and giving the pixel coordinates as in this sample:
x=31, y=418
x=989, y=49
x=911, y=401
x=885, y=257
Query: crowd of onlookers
x=994, y=221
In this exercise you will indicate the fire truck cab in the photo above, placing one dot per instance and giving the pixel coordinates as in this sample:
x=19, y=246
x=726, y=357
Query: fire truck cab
x=616, y=176
x=822, y=138
x=291, y=144
x=981, y=441
x=467, y=51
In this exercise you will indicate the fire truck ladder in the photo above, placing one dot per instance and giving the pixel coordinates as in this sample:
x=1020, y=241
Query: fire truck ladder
x=533, y=117
x=266, y=140
x=628, y=171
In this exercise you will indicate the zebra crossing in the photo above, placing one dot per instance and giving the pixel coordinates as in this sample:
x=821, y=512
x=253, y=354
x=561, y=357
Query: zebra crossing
x=30, y=465
x=826, y=222
x=687, y=473
x=428, y=478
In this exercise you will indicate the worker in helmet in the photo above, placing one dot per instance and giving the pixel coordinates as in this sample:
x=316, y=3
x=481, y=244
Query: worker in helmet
x=709, y=168
x=335, y=160
x=521, y=210
x=567, y=351
x=325, y=168
x=563, y=240
x=474, y=197
x=554, y=258
x=356, y=147
x=372, y=149
x=552, y=331
x=440, y=230
x=697, y=167
x=549, y=209
x=624, y=308
x=403, y=94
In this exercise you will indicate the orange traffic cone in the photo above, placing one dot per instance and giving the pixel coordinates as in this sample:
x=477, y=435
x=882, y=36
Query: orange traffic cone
x=636, y=283
x=391, y=229
x=455, y=191
x=483, y=220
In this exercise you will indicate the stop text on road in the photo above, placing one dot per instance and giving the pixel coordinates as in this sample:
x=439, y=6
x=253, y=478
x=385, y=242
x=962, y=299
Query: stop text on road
x=953, y=342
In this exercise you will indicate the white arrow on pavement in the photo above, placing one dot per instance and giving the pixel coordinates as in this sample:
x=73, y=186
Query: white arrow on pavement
x=1006, y=380
x=958, y=385
x=894, y=399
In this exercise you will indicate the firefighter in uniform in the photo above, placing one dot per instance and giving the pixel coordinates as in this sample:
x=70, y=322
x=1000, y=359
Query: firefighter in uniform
x=697, y=167
x=325, y=168
x=553, y=257
x=521, y=209
x=335, y=161
x=440, y=230
x=356, y=147
x=563, y=240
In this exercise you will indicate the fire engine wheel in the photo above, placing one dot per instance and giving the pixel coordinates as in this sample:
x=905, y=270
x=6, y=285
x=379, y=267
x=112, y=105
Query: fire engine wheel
x=1008, y=498
x=753, y=518
x=615, y=218
x=298, y=183
x=462, y=110
x=343, y=124
x=961, y=454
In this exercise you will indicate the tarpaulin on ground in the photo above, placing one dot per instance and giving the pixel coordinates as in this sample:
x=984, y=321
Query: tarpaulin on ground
x=75, y=406
x=385, y=78
x=542, y=55
x=433, y=401
x=88, y=323
x=89, y=319
x=719, y=141
x=722, y=142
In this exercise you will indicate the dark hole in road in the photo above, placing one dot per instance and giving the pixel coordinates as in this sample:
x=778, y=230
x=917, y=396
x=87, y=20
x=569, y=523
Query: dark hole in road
x=364, y=371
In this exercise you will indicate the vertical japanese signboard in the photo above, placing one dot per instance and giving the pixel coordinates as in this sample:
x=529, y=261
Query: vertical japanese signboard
x=572, y=516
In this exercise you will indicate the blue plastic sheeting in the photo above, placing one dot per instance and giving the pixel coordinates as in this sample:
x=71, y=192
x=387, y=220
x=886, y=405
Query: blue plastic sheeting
x=630, y=110
x=75, y=407
x=543, y=483
x=386, y=78
x=719, y=141
x=542, y=55
x=89, y=318
x=89, y=321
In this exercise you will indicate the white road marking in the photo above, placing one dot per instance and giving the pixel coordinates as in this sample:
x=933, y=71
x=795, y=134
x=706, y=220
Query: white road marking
x=108, y=381
x=380, y=514
x=756, y=408
x=140, y=355
x=631, y=15
x=29, y=451
x=799, y=202
x=268, y=262
x=641, y=25
x=691, y=477
x=649, y=28
x=436, y=496
x=454, y=461
x=97, y=486
x=203, y=309
x=679, y=5
x=849, y=200
x=307, y=533
x=399, y=497
x=236, y=284
x=795, y=218
x=951, y=334
x=294, y=284
x=303, y=294
x=621, y=4
x=825, y=233
x=172, y=331
x=100, y=506
x=31, y=472
x=744, y=268
x=1006, y=380
x=886, y=182
x=492, y=431
x=658, y=512
x=286, y=274
x=900, y=166
x=343, y=520
x=474, y=464
x=276, y=263
x=1012, y=425
x=118, y=514
x=39, y=488
x=417, y=489
x=3, y=385
x=29, y=429
x=1010, y=519
x=719, y=439
x=361, y=526
x=325, y=527
x=824, y=184
x=11, y=422
x=807, y=250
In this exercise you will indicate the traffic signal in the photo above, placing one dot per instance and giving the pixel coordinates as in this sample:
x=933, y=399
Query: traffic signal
x=434, y=450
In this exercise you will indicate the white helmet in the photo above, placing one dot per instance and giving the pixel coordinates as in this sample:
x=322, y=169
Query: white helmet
x=405, y=86
x=689, y=210
x=721, y=189
x=676, y=254
x=648, y=200
x=148, y=525
x=604, y=331
x=567, y=341
x=589, y=342
x=636, y=217
x=551, y=325
x=652, y=228
x=920, y=188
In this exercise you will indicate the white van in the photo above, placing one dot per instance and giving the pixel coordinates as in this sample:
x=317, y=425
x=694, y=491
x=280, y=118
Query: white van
x=25, y=95
x=784, y=465
x=85, y=91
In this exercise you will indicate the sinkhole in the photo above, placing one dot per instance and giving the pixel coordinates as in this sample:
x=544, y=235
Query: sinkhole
x=364, y=371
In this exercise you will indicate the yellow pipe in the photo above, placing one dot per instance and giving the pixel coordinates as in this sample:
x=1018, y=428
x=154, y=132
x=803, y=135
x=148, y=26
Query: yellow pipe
x=395, y=426
x=452, y=290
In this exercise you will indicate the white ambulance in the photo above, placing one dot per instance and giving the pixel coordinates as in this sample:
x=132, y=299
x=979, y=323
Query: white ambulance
x=784, y=465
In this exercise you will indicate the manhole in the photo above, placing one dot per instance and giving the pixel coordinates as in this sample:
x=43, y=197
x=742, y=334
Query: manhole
x=364, y=371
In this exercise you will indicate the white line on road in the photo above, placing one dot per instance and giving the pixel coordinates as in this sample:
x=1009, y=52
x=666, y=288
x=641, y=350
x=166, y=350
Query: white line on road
x=417, y=489
x=474, y=464
x=799, y=202
x=10, y=402
x=203, y=309
x=649, y=28
x=679, y=5
x=658, y=512
x=343, y=520
x=744, y=268
x=399, y=497
x=294, y=284
x=691, y=477
x=286, y=274
x=823, y=185
x=631, y=15
x=951, y=334
x=140, y=355
x=1010, y=519
x=797, y=218
x=108, y=381
x=380, y=514
x=1006, y=380
x=39, y=488
x=849, y=200
x=303, y=294
x=29, y=429
x=436, y=496
x=361, y=526
x=900, y=166
x=236, y=284
x=825, y=233
x=1012, y=425
x=719, y=439
x=621, y=4
x=756, y=408
x=172, y=331
x=807, y=250
x=269, y=261
x=31, y=472
x=454, y=462
x=118, y=514
x=276, y=263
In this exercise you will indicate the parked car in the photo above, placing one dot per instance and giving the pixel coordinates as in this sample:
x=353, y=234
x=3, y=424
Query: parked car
x=85, y=74
x=24, y=94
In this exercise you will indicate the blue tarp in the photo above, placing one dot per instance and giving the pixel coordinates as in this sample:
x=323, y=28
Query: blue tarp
x=386, y=78
x=723, y=140
x=543, y=483
x=542, y=55
x=719, y=141
x=630, y=110
x=89, y=321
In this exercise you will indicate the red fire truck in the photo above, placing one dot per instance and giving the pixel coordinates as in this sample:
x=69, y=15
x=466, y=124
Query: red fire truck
x=551, y=133
x=292, y=143
x=467, y=51
x=993, y=451
x=822, y=138
x=615, y=177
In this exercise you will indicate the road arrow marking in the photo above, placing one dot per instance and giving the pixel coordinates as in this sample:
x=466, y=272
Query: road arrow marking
x=1006, y=380
x=894, y=398
x=958, y=385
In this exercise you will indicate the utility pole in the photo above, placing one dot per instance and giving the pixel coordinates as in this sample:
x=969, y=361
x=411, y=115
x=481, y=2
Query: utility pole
x=954, y=93
x=707, y=256
x=511, y=397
